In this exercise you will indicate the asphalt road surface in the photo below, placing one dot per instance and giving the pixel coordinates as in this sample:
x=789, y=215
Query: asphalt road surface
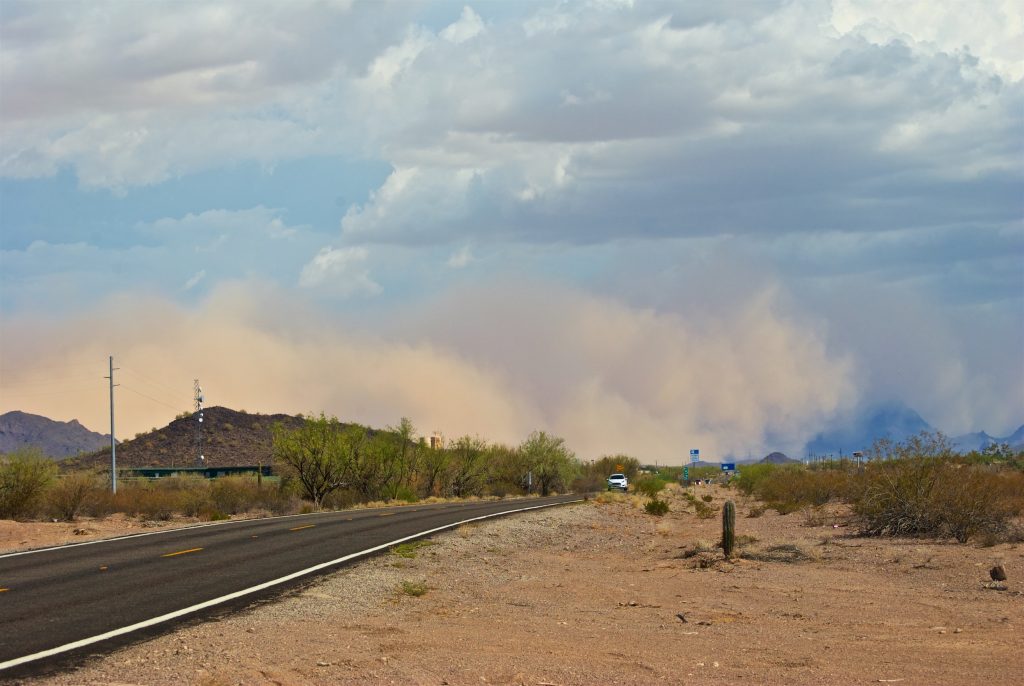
x=58, y=604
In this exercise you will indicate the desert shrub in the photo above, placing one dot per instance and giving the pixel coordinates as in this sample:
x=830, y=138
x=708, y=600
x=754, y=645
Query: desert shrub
x=793, y=488
x=656, y=507
x=413, y=588
x=408, y=495
x=24, y=477
x=649, y=486
x=234, y=494
x=588, y=481
x=72, y=493
x=703, y=510
x=750, y=475
x=141, y=499
x=706, y=498
x=935, y=497
x=756, y=511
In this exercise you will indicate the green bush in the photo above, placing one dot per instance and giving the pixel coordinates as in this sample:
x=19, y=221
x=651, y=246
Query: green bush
x=234, y=494
x=649, y=486
x=936, y=497
x=72, y=493
x=24, y=477
x=656, y=507
x=703, y=510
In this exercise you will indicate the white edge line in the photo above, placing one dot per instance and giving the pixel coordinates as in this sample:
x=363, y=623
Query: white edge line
x=252, y=589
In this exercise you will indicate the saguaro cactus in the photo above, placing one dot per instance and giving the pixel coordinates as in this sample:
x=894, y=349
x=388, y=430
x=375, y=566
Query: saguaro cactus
x=728, y=528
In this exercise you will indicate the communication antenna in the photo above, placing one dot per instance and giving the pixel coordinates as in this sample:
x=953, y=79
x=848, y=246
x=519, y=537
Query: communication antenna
x=198, y=392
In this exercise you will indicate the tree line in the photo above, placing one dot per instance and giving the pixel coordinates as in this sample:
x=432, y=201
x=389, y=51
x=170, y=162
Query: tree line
x=324, y=457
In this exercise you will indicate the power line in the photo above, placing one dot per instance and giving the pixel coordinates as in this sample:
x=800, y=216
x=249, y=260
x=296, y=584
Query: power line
x=148, y=397
x=174, y=393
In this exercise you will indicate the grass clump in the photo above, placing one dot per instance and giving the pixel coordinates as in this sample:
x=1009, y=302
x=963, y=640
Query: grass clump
x=413, y=588
x=409, y=550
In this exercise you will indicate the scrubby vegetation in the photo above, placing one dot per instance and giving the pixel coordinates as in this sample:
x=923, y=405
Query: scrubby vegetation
x=319, y=463
x=918, y=487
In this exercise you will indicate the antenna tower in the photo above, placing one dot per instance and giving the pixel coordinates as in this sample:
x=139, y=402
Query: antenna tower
x=198, y=392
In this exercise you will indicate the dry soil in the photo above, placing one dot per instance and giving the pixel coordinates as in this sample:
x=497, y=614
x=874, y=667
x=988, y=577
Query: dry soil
x=603, y=593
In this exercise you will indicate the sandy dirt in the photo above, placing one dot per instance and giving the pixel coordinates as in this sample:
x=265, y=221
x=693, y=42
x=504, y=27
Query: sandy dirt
x=603, y=593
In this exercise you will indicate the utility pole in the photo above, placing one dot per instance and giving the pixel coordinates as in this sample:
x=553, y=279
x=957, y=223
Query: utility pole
x=113, y=441
x=198, y=396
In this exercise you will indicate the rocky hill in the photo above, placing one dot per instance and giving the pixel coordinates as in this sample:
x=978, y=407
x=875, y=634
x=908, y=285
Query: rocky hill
x=55, y=439
x=229, y=438
x=778, y=458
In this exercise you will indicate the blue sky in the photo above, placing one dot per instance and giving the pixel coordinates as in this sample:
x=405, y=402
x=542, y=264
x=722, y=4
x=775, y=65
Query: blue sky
x=637, y=225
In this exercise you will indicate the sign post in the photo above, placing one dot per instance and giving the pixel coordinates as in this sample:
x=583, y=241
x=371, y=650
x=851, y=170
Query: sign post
x=686, y=475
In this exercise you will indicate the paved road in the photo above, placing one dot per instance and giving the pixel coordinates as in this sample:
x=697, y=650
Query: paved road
x=55, y=602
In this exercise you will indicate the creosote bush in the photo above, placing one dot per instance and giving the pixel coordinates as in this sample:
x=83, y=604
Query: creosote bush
x=74, y=492
x=656, y=507
x=24, y=477
x=918, y=488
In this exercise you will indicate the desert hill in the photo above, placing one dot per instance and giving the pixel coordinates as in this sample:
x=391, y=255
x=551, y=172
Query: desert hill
x=54, y=438
x=230, y=438
x=778, y=458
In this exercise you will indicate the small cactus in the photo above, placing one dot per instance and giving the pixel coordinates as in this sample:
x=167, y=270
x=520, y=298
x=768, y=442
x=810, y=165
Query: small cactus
x=728, y=528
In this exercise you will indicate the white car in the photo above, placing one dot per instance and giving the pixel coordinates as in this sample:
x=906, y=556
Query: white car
x=618, y=481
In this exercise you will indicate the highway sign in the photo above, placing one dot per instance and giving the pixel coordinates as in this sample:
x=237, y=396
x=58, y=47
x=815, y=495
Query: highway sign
x=695, y=455
x=728, y=466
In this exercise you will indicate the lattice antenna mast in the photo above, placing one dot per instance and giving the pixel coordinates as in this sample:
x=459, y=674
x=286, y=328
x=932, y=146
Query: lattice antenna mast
x=198, y=393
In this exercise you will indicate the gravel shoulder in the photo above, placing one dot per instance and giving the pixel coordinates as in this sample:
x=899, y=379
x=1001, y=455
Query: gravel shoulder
x=602, y=593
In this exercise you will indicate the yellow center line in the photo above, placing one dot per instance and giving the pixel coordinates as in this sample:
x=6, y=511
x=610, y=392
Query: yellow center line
x=4, y=590
x=300, y=528
x=182, y=552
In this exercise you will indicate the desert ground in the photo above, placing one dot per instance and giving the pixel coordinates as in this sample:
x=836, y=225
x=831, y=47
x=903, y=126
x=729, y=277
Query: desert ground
x=604, y=593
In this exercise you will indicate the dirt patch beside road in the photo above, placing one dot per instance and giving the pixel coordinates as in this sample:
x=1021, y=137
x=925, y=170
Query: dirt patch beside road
x=603, y=593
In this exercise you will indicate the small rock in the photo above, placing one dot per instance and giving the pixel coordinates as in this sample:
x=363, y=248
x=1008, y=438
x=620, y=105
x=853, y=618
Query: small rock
x=682, y=617
x=323, y=664
x=632, y=603
x=958, y=630
x=997, y=573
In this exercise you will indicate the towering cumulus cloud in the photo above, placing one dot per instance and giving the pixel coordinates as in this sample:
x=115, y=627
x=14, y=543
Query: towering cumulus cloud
x=500, y=363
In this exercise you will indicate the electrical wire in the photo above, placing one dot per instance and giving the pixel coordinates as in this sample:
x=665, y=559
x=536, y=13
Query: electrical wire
x=148, y=397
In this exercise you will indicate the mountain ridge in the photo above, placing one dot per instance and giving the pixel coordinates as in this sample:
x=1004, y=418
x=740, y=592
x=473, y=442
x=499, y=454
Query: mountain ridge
x=56, y=439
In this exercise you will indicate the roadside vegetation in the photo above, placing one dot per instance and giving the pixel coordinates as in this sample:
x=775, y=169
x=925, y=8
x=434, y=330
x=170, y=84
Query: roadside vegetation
x=915, y=488
x=321, y=464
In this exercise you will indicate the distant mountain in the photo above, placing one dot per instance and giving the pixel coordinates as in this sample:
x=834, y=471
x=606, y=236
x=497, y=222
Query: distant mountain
x=55, y=439
x=980, y=440
x=229, y=438
x=894, y=421
x=777, y=458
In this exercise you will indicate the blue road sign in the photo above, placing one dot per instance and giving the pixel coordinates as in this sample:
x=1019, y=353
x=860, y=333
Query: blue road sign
x=695, y=455
x=728, y=466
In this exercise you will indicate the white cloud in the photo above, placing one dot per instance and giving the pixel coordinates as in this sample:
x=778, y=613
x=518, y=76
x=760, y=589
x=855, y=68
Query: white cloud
x=195, y=279
x=462, y=258
x=341, y=271
x=469, y=25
